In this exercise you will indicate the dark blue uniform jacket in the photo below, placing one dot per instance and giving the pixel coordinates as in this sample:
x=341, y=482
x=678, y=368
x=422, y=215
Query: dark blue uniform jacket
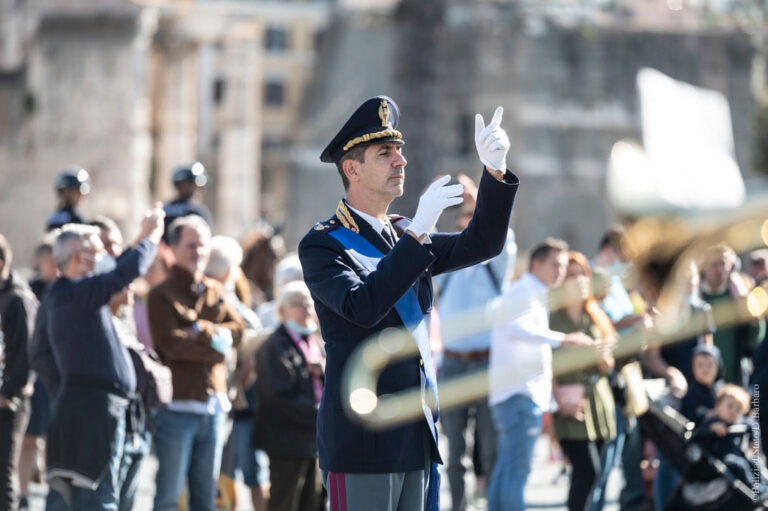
x=353, y=304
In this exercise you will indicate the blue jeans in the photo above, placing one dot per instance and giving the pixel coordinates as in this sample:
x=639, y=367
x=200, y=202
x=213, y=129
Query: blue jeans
x=187, y=444
x=136, y=449
x=518, y=423
x=239, y=456
x=610, y=454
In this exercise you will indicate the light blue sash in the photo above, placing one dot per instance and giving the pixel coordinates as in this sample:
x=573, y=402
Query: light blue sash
x=409, y=310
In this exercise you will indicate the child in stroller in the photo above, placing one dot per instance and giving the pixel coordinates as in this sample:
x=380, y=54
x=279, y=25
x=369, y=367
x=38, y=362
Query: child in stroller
x=717, y=475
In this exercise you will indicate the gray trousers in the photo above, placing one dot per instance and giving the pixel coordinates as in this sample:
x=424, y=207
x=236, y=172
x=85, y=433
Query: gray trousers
x=456, y=427
x=399, y=491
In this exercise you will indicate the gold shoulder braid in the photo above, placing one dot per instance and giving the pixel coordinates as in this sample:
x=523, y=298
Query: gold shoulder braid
x=345, y=217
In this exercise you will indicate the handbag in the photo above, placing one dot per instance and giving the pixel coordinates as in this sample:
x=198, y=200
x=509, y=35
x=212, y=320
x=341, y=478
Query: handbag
x=153, y=379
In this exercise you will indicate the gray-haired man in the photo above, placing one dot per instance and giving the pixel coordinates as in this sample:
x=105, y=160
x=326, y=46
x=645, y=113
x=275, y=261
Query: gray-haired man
x=97, y=373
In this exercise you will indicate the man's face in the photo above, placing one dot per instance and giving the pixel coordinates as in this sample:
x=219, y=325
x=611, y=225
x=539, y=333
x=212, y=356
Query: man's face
x=716, y=271
x=551, y=271
x=71, y=196
x=192, y=250
x=188, y=189
x=705, y=369
x=85, y=256
x=383, y=172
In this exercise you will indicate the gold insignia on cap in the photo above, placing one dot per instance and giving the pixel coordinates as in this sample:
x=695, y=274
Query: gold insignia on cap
x=319, y=227
x=384, y=113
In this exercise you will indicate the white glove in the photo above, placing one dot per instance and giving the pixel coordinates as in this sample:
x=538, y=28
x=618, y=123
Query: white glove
x=433, y=202
x=491, y=141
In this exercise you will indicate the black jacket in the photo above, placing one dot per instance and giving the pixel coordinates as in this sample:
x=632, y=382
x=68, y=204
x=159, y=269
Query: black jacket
x=354, y=304
x=18, y=307
x=699, y=400
x=286, y=411
x=80, y=328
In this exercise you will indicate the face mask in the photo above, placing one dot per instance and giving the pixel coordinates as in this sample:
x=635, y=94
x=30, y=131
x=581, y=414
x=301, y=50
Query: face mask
x=87, y=271
x=103, y=263
x=310, y=329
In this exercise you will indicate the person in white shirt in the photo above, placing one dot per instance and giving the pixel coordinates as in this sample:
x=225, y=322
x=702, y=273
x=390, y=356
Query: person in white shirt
x=521, y=370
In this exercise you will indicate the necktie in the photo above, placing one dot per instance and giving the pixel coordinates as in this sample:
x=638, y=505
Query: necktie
x=387, y=234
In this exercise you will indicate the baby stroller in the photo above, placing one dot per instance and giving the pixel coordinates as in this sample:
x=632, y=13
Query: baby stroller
x=707, y=483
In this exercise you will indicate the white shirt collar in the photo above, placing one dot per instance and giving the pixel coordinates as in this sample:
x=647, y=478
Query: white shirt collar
x=374, y=222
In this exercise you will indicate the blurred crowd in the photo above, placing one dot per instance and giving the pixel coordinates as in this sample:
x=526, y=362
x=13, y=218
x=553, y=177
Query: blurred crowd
x=115, y=350
x=205, y=351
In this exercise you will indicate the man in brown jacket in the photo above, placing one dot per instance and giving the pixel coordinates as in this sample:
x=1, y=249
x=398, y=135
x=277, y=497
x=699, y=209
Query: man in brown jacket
x=193, y=327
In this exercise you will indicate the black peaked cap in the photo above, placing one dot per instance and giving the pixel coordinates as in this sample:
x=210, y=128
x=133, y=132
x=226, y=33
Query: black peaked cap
x=374, y=122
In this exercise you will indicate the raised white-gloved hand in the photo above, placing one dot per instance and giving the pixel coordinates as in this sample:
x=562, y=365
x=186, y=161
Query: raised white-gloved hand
x=433, y=202
x=491, y=141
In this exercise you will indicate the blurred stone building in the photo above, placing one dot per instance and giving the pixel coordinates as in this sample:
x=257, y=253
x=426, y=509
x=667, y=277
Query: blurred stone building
x=564, y=71
x=256, y=88
x=129, y=89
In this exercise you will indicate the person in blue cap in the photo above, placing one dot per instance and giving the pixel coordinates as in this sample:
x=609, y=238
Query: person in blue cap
x=368, y=271
x=72, y=184
x=189, y=181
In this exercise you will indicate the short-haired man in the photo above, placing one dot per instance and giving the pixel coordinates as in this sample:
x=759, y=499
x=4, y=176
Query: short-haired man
x=365, y=276
x=461, y=293
x=189, y=180
x=72, y=184
x=521, y=370
x=98, y=376
x=193, y=328
x=40, y=352
x=18, y=307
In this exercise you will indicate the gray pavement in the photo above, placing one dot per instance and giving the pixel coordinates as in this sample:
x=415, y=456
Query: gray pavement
x=547, y=487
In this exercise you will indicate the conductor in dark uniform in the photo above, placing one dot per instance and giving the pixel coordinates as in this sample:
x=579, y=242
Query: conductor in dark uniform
x=368, y=271
x=189, y=181
x=72, y=184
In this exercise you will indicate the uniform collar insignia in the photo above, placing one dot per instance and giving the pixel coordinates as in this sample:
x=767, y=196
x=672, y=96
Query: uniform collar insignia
x=346, y=218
